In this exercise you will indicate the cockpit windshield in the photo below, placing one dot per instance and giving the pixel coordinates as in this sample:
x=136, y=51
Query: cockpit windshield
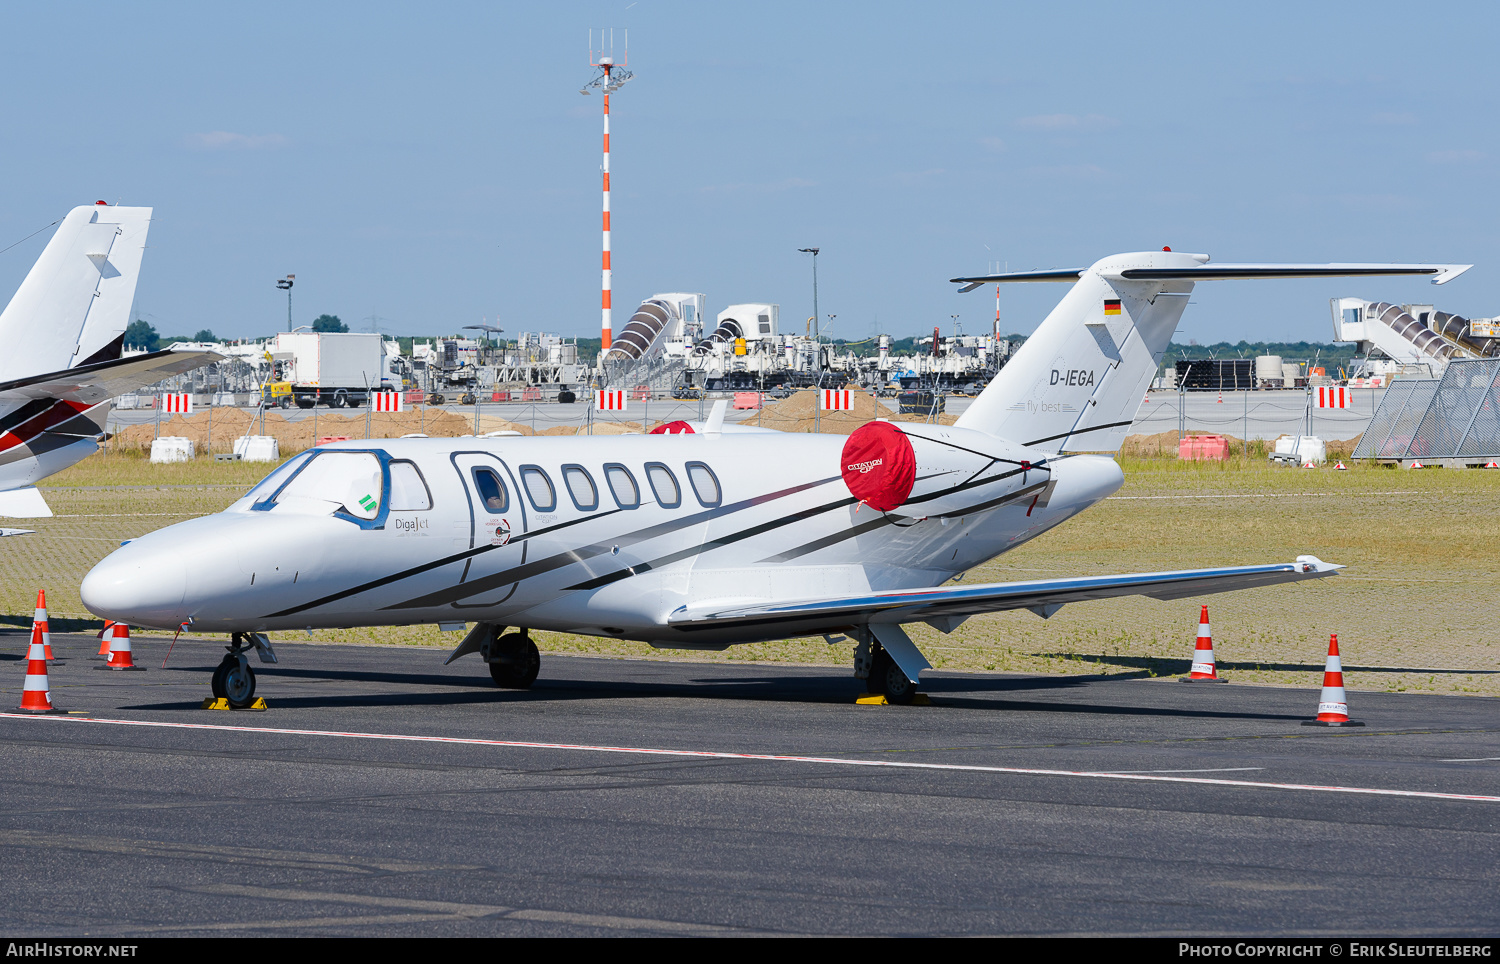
x=322, y=483
x=268, y=485
x=347, y=480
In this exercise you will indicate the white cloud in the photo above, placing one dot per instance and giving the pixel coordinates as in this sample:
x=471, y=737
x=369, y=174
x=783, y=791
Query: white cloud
x=992, y=144
x=1067, y=122
x=229, y=141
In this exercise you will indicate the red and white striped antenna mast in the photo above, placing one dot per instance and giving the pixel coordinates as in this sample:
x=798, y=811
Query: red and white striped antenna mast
x=611, y=76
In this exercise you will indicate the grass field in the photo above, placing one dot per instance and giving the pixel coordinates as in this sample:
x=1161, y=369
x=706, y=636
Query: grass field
x=1415, y=610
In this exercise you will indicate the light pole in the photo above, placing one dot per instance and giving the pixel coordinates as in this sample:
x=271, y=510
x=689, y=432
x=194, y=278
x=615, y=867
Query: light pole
x=956, y=330
x=814, y=253
x=287, y=287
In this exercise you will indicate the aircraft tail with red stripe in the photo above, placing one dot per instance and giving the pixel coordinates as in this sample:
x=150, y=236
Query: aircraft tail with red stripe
x=62, y=350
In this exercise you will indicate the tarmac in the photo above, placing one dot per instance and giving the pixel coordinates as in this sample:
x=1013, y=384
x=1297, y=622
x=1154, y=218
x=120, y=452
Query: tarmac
x=383, y=794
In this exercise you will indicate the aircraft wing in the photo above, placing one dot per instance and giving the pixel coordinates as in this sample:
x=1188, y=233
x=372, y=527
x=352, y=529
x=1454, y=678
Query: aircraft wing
x=92, y=384
x=1042, y=596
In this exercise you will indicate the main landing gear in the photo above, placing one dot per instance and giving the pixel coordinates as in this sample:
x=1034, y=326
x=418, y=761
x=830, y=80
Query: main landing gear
x=233, y=679
x=514, y=661
x=874, y=665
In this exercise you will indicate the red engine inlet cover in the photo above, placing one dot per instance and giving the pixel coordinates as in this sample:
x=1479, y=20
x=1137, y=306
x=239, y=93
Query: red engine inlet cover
x=672, y=428
x=879, y=466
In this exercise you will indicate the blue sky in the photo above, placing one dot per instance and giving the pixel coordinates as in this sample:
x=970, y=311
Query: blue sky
x=431, y=166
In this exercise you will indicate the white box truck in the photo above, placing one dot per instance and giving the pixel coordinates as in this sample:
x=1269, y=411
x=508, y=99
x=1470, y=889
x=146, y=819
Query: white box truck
x=336, y=370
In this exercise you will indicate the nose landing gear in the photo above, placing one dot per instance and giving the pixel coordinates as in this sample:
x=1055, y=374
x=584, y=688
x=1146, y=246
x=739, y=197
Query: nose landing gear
x=233, y=680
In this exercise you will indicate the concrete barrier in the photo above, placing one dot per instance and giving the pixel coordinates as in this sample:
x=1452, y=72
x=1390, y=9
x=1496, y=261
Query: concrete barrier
x=172, y=448
x=257, y=448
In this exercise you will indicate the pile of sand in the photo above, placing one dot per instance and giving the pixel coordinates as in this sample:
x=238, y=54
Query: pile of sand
x=800, y=413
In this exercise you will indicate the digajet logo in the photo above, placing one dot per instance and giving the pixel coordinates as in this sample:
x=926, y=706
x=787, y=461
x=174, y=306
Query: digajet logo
x=863, y=468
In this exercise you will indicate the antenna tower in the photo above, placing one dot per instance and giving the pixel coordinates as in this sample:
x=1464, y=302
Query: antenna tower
x=611, y=76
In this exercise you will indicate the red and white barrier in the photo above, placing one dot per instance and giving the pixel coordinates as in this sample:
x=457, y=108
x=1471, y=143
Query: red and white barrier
x=386, y=402
x=837, y=400
x=610, y=401
x=179, y=402
x=1333, y=396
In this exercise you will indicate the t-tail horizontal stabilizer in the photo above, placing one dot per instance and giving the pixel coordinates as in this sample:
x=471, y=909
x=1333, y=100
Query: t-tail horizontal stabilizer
x=92, y=384
x=1077, y=382
x=1439, y=273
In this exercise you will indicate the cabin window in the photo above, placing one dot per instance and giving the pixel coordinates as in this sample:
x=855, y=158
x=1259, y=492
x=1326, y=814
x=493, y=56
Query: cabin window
x=705, y=484
x=622, y=486
x=347, y=481
x=491, y=489
x=664, y=485
x=409, y=491
x=538, y=487
x=581, y=488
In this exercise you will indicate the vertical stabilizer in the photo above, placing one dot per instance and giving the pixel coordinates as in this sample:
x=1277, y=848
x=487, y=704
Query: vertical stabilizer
x=1075, y=385
x=76, y=300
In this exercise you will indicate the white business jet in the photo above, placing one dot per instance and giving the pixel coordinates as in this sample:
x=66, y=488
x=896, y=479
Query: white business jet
x=706, y=538
x=61, y=341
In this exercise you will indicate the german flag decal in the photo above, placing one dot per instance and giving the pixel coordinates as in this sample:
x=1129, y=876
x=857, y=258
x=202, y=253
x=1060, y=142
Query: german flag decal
x=1112, y=306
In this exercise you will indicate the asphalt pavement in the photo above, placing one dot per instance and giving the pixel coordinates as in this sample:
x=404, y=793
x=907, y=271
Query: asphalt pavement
x=385, y=794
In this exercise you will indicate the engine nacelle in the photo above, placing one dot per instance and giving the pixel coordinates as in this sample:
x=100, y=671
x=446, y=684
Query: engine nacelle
x=931, y=470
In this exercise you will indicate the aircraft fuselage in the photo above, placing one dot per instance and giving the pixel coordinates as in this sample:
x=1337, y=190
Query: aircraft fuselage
x=605, y=535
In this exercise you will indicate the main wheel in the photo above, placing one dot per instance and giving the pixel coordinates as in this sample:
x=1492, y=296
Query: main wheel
x=520, y=662
x=887, y=678
x=436, y=399
x=286, y=401
x=337, y=401
x=239, y=683
x=467, y=399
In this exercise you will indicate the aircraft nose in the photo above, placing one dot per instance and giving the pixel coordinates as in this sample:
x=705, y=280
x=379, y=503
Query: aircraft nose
x=139, y=586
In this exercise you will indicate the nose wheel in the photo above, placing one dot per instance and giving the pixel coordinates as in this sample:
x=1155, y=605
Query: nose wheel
x=234, y=680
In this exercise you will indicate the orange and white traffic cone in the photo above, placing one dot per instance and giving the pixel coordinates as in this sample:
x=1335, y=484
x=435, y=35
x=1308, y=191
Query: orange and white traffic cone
x=1341, y=466
x=105, y=635
x=36, y=696
x=1204, y=668
x=1333, y=706
x=1416, y=465
x=39, y=623
x=119, y=650
x=1492, y=464
x=1221, y=398
x=1308, y=464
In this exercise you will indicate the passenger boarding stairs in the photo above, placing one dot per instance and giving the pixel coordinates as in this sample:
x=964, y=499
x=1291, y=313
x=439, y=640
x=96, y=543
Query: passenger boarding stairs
x=1412, y=335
